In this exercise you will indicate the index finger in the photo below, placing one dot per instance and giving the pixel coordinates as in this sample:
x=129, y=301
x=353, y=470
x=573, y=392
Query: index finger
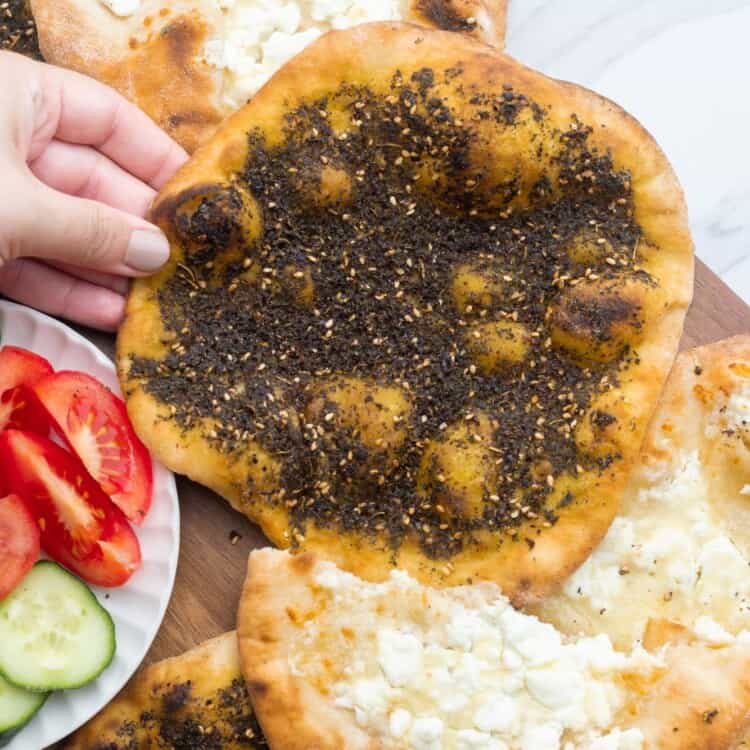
x=89, y=113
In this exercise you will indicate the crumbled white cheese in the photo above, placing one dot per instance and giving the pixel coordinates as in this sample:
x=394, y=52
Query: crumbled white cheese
x=463, y=629
x=331, y=577
x=631, y=739
x=666, y=548
x=469, y=739
x=122, y=8
x=261, y=35
x=426, y=734
x=461, y=669
x=737, y=411
x=545, y=737
x=498, y=713
x=399, y=722
x=556, y=687
x=597, y=705
x=600, y=656
x=400, y=656
x=711, y=632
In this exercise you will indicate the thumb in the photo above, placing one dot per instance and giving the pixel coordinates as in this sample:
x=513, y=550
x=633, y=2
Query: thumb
x=54, y=226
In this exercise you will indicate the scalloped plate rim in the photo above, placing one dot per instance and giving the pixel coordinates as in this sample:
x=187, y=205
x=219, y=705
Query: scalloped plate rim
x=56, y=720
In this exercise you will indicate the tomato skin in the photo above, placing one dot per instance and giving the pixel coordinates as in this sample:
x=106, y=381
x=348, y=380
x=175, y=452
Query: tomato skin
x=95, y=424
x=19, y=406
x=21, y=366
x=19, y=542
x=80, y=526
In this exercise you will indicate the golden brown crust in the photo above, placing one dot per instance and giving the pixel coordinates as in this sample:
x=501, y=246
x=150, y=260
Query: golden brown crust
x=293, y=714
x=156, y=57
x=169, y=704
x=484, y=19
x=699, y=702
x=700, y=382
x=524, y=571
x=702, y=702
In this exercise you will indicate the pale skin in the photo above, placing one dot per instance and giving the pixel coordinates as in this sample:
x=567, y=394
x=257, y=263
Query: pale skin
x=79, y=167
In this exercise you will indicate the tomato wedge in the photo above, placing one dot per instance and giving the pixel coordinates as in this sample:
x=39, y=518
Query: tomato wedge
x=19, y=542
x=95, y=424
x=19, y=407
x=80, y=526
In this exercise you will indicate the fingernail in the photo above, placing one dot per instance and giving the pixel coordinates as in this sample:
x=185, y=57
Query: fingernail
x=148, y=250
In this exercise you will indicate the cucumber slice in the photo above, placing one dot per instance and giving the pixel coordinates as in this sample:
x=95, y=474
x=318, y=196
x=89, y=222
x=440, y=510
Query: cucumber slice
x=17, y=708
x=54, y=634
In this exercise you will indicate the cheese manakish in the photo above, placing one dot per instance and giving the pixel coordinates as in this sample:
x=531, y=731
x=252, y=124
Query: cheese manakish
x=195, y=701
x=679, y=548
x=334, y=663
x=418, y=311
x=191, y=63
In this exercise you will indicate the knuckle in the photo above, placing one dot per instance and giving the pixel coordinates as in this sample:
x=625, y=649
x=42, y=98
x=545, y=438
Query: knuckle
x=16, y=226
x=10, y=276
x=91, y=181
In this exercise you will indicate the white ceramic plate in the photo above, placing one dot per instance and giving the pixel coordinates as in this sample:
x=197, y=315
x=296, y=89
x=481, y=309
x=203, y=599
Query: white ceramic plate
x=138, y=607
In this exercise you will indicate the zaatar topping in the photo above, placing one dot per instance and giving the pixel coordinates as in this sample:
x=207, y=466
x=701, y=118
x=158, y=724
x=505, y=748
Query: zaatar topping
x=234, y=537
x=443, y=16
x=709, y=716
x=17, y=28
x=188, y=723
x=381, y=258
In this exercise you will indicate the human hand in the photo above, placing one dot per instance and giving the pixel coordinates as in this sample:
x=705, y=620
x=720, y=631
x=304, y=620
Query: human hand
x=79, y=166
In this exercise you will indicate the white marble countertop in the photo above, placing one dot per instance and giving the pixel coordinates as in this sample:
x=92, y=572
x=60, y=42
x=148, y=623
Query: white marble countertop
x=682, y=67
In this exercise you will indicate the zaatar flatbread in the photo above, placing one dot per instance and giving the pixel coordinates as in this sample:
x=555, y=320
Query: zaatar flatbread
x=418, y=311
x=197, y=700
x=191, y=63
x=333, y=662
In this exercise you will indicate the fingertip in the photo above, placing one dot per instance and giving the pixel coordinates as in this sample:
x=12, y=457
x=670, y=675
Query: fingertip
x=174, y=159
x=96, y=307
x=148, y=250
x=112, y=310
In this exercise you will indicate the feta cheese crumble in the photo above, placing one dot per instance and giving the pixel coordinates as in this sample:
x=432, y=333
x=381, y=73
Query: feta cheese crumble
x=666, y=555
x=461, y=669
x=261, y=35
x=670, y=553
x=122, y=8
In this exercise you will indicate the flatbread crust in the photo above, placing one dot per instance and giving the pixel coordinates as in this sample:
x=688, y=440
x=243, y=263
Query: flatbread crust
x=704, y=414
x=610, y=430
x=171, y=704
x=700, y=702
x=156, y=57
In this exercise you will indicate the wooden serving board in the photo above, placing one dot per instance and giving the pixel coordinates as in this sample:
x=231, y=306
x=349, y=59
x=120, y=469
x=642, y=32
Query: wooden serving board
x=212, y=568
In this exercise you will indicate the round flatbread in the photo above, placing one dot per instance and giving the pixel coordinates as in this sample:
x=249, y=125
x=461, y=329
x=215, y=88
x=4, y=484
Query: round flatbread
x=191, y=63
x=418, y=311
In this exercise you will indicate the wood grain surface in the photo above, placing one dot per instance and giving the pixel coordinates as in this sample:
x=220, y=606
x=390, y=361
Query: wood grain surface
x=212, y=568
